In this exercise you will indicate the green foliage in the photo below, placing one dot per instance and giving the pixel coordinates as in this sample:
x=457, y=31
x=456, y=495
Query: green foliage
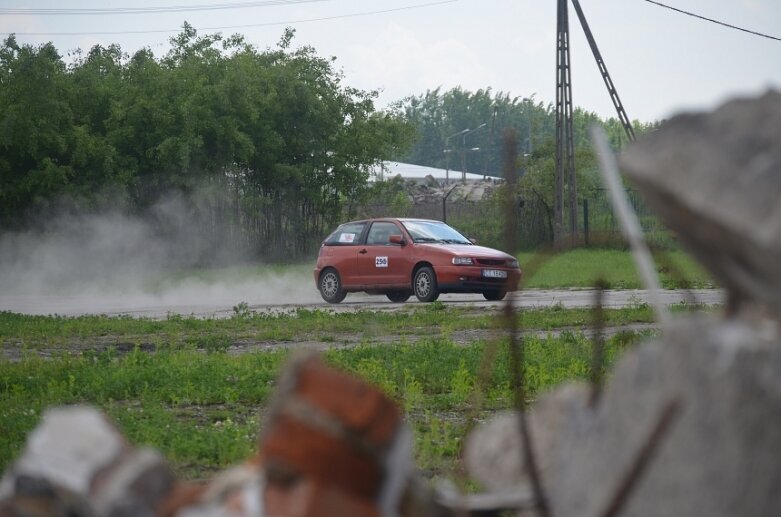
x=202, y=408
x=241, y=310
x=178, y=390
x=439, y=117
x=462, y=383
x=252, y=129
x=583, y=267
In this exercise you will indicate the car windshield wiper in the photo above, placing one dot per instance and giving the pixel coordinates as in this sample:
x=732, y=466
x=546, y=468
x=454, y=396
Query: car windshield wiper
x=455, y=241
x=426, y=239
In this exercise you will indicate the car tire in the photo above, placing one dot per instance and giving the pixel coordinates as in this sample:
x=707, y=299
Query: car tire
x=330, y=286
x=425, y=284
x=398, y=296
x=494, y=295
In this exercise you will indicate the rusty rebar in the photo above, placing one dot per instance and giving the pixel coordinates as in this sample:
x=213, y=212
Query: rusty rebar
x=516, y=343
x=643, y=458
x=598, y=342
x=666, y=263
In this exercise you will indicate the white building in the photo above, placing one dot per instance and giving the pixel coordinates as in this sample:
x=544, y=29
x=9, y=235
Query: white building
x=419, y=173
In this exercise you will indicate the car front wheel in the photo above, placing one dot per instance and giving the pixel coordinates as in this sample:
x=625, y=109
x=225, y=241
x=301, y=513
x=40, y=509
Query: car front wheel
x=494, y=295
x=425, y=285
x=330, y=286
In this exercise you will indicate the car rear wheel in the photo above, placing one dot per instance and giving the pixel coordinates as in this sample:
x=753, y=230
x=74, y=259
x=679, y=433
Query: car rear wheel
x=398, y=296
x=425, y=285
x=330, y=286
x=494, y=295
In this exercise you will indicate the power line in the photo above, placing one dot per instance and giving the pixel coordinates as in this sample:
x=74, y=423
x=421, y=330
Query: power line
x=267, y=24
x=713, y=21
x=151, y=10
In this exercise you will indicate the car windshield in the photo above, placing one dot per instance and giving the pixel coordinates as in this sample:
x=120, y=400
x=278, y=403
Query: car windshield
x=434, y=231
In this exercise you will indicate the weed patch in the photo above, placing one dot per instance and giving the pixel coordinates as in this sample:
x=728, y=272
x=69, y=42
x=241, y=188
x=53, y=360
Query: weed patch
x=185, y=394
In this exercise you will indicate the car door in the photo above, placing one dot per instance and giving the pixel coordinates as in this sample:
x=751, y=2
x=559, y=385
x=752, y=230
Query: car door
x=380, y=263
x=341, y=249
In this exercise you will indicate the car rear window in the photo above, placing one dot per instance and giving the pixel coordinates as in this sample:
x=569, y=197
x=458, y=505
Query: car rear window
x=346, y=235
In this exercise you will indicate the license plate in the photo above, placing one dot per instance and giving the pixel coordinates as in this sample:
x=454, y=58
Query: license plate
x=494, y=273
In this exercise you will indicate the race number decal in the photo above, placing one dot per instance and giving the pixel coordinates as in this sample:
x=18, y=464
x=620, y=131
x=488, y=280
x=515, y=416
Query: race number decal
x=380, y=261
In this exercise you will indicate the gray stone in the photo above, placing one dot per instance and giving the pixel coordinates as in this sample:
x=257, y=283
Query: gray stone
x=77, y=463
x=715, y=179
x=236, y=492
x=494, y=455
x=67, y=448
x=134, y=485
x=720, y=455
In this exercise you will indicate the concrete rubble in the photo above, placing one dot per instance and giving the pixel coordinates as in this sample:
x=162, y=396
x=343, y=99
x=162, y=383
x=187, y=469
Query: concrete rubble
x=714, y=381
x=432, y=191
x=715, y=179
x=486, y=452
x=333, y=446
x=715, y=459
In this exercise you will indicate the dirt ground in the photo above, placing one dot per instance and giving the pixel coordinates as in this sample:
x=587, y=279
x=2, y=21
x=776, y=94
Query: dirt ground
x=213, y=306
x=569, y=298
x=13, y=351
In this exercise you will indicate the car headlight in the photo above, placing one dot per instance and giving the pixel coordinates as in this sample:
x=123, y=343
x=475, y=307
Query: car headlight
x=513, y=264
x=463, y=261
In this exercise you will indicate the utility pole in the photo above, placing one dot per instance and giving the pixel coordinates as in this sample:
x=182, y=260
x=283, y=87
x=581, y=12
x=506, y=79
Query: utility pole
x=611, y=89
x=565, y=147
x=447, y=152
x=463, y=149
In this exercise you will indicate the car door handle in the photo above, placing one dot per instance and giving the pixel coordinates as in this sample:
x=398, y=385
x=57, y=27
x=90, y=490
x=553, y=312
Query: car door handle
x=363, y=251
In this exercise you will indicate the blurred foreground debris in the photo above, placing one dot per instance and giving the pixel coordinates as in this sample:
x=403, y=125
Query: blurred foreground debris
x=687, y=424
x=715, y=179
x=333, y=446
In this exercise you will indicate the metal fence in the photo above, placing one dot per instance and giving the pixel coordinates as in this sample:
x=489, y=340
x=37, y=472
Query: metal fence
x=280, y=232
x=597, y=224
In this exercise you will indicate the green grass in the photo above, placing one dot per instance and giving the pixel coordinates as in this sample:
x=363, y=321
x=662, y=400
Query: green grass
x=176, y=332
x=583, y=267
x=170, y=383
x=200, y=405
x=202, y=410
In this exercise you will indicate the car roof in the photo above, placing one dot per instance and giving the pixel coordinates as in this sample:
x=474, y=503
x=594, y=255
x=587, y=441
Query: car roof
x=400, y=219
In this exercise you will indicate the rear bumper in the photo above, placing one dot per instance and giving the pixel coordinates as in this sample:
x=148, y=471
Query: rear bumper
x=470, y=279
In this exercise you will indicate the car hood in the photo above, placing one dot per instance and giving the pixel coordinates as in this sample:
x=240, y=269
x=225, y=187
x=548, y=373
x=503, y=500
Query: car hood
x=470, y=250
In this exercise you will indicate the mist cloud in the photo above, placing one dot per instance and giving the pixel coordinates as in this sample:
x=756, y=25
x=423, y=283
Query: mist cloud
x=75, y=263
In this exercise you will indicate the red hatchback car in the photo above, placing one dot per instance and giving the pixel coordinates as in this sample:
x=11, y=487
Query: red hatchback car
x=401, y=257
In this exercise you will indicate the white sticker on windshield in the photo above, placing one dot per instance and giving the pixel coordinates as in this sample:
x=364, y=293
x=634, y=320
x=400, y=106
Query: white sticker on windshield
x=381, y=261
x=347, y=237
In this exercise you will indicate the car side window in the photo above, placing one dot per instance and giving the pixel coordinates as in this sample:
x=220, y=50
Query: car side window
x=380, y=232
x=346, y=235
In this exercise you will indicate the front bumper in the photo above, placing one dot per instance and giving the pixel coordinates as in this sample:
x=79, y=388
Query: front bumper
x=470, y=279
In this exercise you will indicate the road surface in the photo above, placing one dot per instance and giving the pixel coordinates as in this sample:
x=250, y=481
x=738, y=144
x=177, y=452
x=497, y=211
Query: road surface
x=223, y=307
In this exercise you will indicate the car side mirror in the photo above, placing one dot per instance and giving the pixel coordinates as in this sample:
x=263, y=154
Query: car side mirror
x=472, y=240
x=397, y=239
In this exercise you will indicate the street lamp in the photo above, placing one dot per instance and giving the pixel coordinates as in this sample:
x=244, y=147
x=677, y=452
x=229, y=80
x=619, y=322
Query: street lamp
x=463, y=149
x=447, y=151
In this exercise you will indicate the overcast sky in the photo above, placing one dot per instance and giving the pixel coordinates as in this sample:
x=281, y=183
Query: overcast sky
x=661, y=61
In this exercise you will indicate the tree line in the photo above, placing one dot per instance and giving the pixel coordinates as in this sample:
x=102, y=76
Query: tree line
x=269, y=141
x=442, y=117
x=269, y=146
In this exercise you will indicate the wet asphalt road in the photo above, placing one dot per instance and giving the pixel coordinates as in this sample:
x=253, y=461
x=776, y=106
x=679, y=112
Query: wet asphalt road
x=220, y=308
